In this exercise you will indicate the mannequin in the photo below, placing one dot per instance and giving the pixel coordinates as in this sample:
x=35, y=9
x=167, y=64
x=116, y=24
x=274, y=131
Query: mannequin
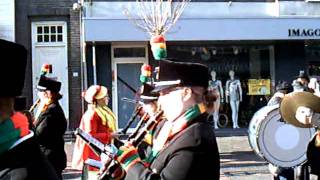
x=216, y=86
x=233, y=96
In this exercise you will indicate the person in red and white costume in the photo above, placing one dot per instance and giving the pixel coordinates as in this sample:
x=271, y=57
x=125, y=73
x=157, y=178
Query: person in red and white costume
x=98, y=120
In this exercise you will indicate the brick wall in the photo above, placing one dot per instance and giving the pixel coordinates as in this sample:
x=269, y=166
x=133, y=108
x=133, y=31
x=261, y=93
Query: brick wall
x=28, y=11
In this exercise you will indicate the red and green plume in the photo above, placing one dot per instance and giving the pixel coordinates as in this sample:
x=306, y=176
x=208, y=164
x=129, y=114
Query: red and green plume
x=46, y=68
x=158, y=47
x=145, y=73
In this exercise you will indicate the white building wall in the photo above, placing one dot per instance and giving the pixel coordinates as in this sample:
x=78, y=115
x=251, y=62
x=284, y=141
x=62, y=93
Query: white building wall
x=105, y=21
x=7, y=17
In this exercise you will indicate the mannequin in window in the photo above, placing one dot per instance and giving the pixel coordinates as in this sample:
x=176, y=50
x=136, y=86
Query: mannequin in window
x=216, y=87
x=234, y=97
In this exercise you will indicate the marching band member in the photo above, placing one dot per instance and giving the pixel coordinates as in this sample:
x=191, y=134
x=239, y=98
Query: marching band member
x=148, y=102
x=50, y=123
x=20, y=154
x=99, y=121
x=306, y=115
x=149, y=107
x=185, y=145
x=302, y=109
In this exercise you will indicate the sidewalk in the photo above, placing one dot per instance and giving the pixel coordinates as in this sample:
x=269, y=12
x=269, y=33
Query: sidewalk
x=238, y=161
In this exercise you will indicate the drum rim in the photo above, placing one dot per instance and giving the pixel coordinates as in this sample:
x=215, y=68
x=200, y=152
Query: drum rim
x=260, y=150
x=293, y=163
x=250, y=127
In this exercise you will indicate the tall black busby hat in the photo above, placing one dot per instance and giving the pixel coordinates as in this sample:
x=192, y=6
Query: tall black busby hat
x=181, y=74
x=46, y=83
x=12, y=68
x=20, y=103
x=146, y=94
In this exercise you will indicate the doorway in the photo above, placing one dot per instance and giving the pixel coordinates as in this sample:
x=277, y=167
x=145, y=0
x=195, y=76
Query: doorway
x=49, y=46
x=127, y=60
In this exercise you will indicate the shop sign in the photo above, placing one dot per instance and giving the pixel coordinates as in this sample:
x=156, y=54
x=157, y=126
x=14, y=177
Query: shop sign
x=259, y=86
x=304, y=32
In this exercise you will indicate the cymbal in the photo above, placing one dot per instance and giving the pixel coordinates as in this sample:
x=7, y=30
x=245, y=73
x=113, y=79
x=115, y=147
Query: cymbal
x=292, y=101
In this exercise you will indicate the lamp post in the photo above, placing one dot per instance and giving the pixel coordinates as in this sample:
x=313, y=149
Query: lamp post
x=79, y=6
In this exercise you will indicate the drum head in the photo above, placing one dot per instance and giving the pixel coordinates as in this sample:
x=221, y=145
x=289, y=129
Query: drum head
x=283, y=144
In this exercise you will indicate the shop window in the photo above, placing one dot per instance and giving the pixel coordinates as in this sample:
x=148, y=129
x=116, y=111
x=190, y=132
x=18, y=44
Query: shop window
x=248, y=62
x=314, y=69
x=49, y=33
x=129, y=52
x=221, y=58
x=313, y=58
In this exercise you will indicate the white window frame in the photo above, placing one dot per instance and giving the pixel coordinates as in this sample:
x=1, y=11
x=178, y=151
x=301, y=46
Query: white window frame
x=124, y=60
x=34, y=26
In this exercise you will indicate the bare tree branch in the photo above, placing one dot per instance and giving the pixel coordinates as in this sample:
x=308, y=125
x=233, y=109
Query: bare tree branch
x=156, y=16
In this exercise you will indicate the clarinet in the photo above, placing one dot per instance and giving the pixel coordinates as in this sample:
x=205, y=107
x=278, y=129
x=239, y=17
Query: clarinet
x=110, y=150
x=97, y=146
x=135, y=141
x=35, y=104
x=131, y=120
x=143, y=120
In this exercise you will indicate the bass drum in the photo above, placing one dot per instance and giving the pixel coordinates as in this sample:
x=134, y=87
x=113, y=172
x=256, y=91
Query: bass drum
x=279, y=143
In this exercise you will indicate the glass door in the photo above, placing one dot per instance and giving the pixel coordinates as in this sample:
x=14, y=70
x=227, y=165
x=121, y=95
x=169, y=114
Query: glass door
x=126, y=64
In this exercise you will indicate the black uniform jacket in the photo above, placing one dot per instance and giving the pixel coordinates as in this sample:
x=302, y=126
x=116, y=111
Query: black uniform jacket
x=26, y=162
x=50, y=128
x=191, y=155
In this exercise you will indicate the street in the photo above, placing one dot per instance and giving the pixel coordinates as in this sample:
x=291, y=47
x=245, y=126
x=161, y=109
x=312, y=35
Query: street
x=238, y=161
x=238, y=54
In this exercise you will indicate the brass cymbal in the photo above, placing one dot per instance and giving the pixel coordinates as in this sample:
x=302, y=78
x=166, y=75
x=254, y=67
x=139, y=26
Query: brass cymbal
x=292, y=101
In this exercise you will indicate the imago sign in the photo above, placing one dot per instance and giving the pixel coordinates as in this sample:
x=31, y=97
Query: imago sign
x=304, y=32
